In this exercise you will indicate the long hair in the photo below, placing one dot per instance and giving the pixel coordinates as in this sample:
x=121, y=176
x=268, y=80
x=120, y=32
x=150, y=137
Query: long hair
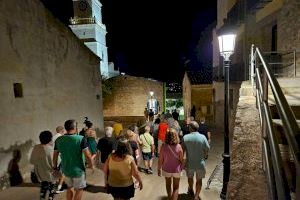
x=123, y=148
x=172, y=137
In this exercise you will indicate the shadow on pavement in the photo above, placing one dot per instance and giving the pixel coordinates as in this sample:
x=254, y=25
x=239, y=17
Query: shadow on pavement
x=184, y=197
x=95, y=189
x=180, y=197
x=28, y=185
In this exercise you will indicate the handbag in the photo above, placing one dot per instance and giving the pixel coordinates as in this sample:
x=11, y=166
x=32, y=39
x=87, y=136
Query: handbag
x=33, y=177
x=182, y=163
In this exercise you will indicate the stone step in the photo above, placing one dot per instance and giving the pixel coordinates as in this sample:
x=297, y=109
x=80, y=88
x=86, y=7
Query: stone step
x=288, y=86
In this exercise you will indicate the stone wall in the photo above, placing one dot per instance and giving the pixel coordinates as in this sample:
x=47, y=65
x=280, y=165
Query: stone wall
x=289, y=29
x=60, y=78
x=247, y=179
x=129, y=96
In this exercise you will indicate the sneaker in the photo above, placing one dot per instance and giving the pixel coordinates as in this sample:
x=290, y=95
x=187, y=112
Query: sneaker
x=149, y=171
x=59, y=191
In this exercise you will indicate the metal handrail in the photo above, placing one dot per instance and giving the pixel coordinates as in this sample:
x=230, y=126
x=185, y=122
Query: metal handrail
x=263, y=78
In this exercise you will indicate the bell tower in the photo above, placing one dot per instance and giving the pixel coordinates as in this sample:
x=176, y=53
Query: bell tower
x=87, y=26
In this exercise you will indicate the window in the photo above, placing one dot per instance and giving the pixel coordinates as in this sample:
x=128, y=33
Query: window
x=18, y=90
x=274, y=38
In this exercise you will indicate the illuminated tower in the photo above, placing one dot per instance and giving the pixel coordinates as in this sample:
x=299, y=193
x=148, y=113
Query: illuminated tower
x=87, y=25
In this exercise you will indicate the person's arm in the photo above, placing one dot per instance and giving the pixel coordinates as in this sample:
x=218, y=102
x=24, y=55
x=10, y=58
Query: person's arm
x=136, y=175
x=55, y=156
x=152, y=146
x=209, y=137
x=160, y=160
x=85, y=150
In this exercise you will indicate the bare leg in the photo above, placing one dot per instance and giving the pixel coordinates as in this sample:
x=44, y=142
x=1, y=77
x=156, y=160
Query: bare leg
x=150, y=163
x=191, y=184
x=78, y=194
x=175, y=188
x=61, y=181
x=198, y=188
x=69, y=194
x=146, y=162
x=168, y=187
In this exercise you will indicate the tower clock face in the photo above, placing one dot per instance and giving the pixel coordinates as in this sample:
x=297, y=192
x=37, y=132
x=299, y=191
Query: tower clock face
x=82, y=5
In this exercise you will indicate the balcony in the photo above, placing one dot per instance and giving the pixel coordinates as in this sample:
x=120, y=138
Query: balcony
x=76, y=21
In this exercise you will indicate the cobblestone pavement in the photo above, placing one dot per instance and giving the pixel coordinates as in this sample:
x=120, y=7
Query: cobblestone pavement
x=154, y=186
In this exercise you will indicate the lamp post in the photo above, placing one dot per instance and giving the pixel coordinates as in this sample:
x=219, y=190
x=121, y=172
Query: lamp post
x=226, y=46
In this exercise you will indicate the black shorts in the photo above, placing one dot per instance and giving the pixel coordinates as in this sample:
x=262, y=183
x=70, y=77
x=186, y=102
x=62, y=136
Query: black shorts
x=147, y=156
x=121, y=192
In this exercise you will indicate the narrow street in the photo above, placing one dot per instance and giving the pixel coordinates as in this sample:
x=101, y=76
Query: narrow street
x=154, y=186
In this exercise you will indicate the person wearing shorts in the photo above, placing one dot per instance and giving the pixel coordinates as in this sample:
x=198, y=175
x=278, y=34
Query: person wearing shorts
x=147, y=149
x=196, y=148
x=71, y=147
x=170, y=163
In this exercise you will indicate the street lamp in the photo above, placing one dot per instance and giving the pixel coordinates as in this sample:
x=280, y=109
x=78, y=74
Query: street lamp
x=226, y=47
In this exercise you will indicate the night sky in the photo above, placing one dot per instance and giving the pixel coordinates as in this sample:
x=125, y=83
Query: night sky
x=154, y=38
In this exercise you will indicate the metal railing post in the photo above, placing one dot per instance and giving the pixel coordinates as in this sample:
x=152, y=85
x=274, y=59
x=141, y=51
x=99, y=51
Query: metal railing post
x=252, y=66
x=295, y=64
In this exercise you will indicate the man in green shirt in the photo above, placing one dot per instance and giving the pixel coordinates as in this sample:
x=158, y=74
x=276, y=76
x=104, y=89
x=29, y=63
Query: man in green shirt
x=73, y=149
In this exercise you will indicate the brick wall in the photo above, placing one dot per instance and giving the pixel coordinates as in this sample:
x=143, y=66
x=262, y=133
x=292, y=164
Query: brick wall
x=129, y=96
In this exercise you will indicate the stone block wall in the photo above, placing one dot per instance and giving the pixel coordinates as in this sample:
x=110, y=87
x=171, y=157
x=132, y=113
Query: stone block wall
x=60, y=78
x=129, y=96
x=289, y=29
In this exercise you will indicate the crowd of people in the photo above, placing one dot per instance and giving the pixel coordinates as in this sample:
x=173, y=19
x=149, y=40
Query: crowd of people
x=62, y=158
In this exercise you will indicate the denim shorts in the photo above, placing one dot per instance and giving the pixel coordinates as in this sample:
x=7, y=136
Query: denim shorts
x=200, y=174
x=76, y=182
x=147, y=156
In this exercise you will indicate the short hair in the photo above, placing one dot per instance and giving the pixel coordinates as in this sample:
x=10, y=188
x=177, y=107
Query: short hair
x=45, y=137
x=108, y=131
x=147, y=128
x=59, y=129
x=89, y=124
x=16, y=154
x=191, y=118
x=70, y=125
x=194, y=125
x=172, y=137
x=157, y=121
x=123, y=148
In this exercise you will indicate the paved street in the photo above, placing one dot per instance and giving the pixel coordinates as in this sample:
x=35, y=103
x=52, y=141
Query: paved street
x=154, y=187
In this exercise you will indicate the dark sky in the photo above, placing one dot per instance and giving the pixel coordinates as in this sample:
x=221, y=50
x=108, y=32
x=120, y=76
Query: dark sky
x=153, y=38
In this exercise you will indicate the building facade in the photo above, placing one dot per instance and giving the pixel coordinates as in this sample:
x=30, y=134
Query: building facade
x=47, y=76
x=198, y=99
x=271, y=25
x=87, y=25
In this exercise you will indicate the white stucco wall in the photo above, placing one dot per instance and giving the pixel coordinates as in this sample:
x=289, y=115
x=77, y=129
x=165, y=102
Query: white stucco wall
x=59, y=74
